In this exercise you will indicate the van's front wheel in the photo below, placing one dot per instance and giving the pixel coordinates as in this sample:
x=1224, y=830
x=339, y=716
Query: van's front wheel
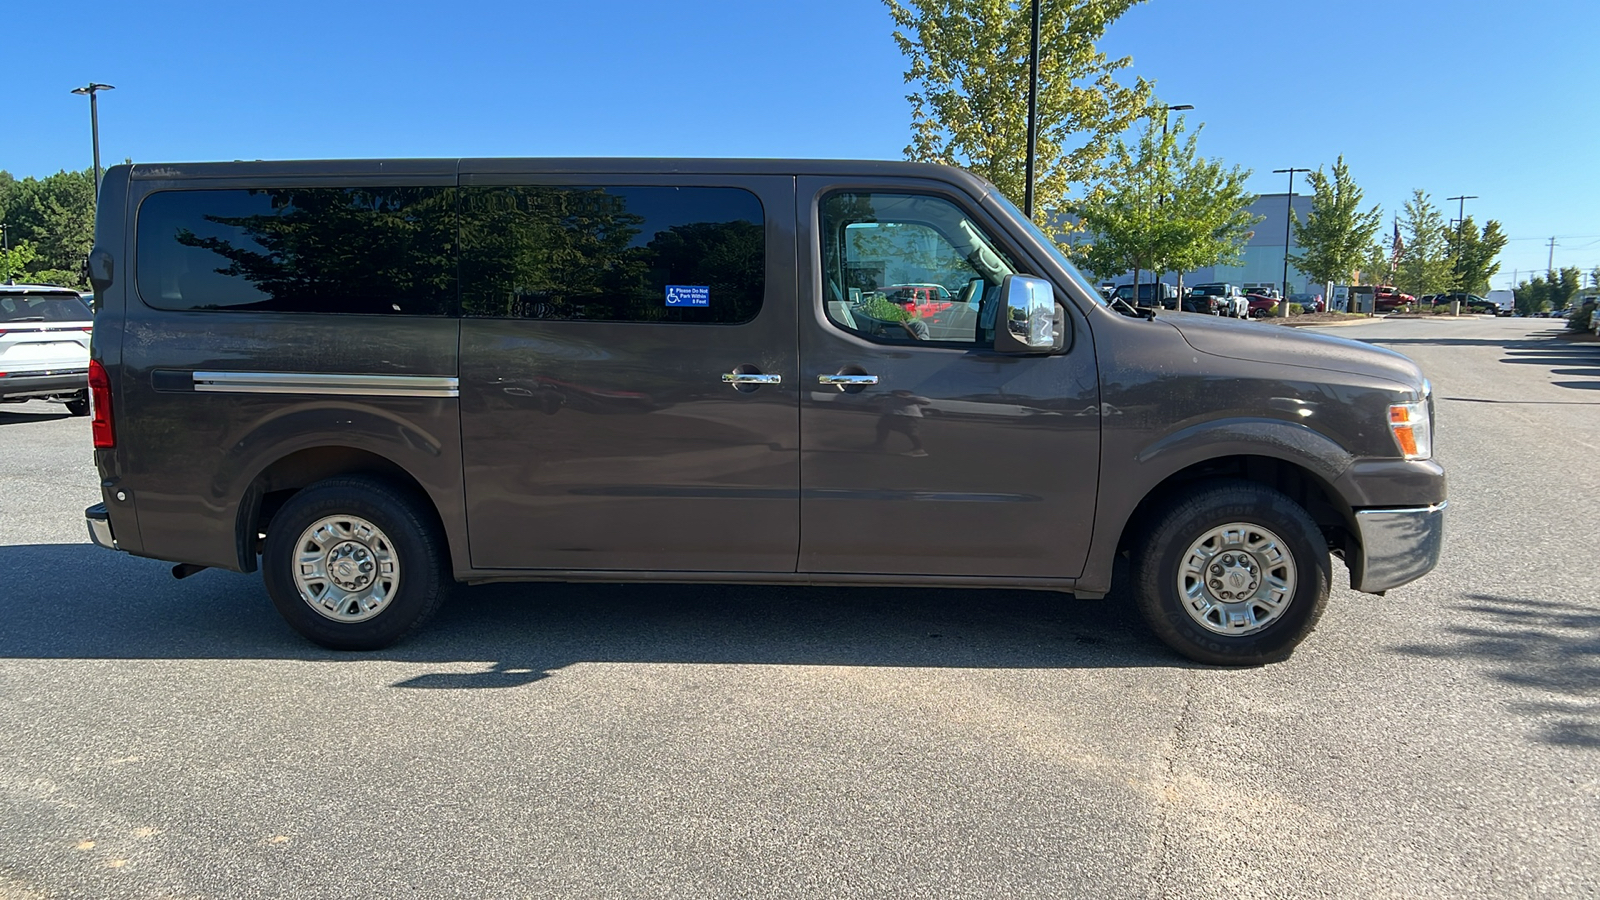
x=1232, y=574
x=354, y=564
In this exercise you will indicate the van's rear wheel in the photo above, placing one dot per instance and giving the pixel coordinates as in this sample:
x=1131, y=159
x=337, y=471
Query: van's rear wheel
x=354, y=564
x=1232, y=574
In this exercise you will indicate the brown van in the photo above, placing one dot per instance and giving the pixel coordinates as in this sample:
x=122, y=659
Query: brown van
x=371, y=378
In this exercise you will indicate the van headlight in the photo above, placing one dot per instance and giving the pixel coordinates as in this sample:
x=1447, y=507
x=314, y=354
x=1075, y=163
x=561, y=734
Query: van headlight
x=1412, y=426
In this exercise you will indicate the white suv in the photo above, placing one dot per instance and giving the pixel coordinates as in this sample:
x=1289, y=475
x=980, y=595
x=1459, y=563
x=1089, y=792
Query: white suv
x=44, y=346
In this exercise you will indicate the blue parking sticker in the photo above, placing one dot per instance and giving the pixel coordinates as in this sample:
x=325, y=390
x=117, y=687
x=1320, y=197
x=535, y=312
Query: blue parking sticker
x=688, y=295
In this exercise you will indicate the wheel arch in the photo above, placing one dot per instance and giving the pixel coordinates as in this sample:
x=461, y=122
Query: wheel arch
x=1314, y=493
x=280, y=479
x=1289, y=457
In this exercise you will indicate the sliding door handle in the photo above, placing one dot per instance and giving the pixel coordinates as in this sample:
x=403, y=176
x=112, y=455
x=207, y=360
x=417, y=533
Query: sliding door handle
x=847, y=380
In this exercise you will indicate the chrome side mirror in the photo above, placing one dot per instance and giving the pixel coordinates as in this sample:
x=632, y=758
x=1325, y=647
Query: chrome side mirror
x=1029, y=321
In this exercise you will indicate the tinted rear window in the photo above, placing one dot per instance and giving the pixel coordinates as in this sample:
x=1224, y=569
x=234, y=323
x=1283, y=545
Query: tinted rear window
x=612, y=254
x=43, y=308
x=377, y=250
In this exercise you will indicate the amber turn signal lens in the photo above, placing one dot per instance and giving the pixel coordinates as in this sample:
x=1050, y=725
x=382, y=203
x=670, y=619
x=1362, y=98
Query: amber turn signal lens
x=1412, y=429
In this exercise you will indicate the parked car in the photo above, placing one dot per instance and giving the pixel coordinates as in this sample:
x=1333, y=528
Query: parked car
x=1260, y=305
x=44, y=346
x=1219, y=299
x=1388, y=299
x=1150, y=294
x=387, y=410
x=1311, y=303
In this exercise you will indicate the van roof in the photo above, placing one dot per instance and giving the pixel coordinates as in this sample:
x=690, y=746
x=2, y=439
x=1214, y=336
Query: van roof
x=439, y=168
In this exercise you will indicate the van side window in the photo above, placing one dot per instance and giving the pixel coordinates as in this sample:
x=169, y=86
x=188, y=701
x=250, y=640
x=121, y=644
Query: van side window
x=377, y=250
x=906, y=268
x=612, y=254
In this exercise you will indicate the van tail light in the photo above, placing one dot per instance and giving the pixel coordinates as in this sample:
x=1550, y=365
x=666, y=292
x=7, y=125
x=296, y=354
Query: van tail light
x=1413, y=429
x=105, y=435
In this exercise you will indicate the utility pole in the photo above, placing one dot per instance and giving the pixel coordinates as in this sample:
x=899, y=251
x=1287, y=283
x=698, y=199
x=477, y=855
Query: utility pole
x=1288, y=219
x=1033, y=111
x=1550, y=267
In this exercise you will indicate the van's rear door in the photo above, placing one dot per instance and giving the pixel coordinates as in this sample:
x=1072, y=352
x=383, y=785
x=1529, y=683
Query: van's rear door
x=602, y=316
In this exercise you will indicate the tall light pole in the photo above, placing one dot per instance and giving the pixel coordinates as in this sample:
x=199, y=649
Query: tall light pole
x=1161, y=199
x=1461, y=225
x=1461, y=215
x=1033, y=109
x=91, y=89
x=1288, y=219
x=1167, y=109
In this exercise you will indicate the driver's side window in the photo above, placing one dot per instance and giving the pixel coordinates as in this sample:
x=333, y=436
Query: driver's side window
x=905, y=268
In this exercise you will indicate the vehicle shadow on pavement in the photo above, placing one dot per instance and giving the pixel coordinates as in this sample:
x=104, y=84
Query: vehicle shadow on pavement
x=8, y=417
x=77, y=601
x=1546, y=646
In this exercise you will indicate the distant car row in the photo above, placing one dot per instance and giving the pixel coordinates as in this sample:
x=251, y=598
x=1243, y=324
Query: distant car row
x=1215, y=299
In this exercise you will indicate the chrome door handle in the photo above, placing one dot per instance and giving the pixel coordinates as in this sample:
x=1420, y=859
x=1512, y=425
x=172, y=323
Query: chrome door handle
x=846, y=380
x=750, y=378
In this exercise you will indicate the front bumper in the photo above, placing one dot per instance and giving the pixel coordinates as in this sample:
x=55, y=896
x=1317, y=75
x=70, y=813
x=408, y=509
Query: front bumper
x=99, y=523
x=1398, y=546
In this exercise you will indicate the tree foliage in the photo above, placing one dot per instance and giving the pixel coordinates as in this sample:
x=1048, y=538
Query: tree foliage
x=55, y=215
x=969, y=101
x=1472, y=253
x=1337, y=234
x=1425, y=264
x=1162, y=206
x=1551, y=291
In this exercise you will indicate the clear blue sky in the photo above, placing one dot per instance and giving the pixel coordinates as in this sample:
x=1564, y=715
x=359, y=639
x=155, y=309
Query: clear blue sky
x=1452, y=96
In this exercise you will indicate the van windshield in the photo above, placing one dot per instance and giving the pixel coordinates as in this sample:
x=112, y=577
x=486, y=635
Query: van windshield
x=1084, y=284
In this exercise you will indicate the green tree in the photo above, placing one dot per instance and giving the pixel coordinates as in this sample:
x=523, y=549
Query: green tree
x=1162, y=206
x=56, y=215
x=969, y=100
x=1425, y=264
x=1377, y=266
x=14, y=262
x=1551, y=291
x=1472, y=253
x=1337, y=234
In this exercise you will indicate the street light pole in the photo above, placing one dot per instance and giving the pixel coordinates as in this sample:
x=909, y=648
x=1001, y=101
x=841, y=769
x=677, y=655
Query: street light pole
x=1288, y=219
x=91, y=89
x=1161, y=199
x=1461, y=227
x=1033, y=110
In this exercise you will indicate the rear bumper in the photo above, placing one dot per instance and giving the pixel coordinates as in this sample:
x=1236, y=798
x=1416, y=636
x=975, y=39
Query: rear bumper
x=1398, y=546
x=43, y=384
x=99, y=523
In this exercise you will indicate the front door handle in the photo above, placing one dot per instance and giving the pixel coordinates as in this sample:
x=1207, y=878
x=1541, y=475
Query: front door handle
x=750, y=378
x=847, y=380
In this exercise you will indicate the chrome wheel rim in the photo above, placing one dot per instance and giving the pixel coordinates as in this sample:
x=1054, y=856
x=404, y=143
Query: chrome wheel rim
x=1236, y=579
x=346, y=568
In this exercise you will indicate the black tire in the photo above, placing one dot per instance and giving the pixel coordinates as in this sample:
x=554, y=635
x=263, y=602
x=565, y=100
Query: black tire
x=1158, y=558
x=412, y=536
x=78, y=406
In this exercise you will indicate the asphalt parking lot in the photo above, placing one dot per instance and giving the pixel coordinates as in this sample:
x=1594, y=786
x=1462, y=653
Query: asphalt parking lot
x=163, y=738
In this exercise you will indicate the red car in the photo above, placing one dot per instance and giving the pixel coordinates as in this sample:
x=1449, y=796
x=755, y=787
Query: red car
x=922, y=299
x=1387, y=299
x=1261, y=305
